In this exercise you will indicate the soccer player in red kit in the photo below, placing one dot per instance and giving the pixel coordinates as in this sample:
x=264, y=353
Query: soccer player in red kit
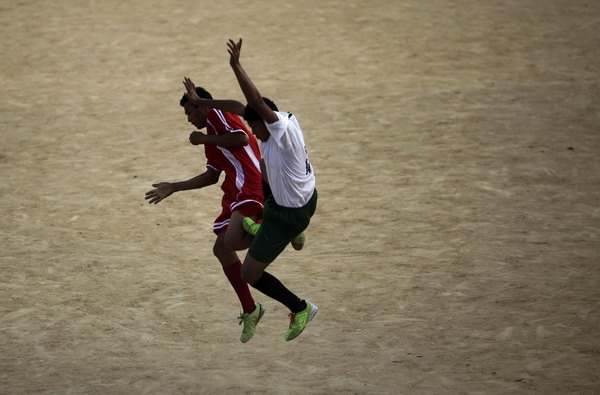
x=229, y=148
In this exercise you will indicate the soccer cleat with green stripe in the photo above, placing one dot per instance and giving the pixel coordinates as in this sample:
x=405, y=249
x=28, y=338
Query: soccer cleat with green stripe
x=250, y=320
x=250, y=225
x=299, y=320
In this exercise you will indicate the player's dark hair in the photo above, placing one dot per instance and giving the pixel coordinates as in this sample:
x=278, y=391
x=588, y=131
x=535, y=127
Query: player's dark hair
x=203, y=93
x=250, y=115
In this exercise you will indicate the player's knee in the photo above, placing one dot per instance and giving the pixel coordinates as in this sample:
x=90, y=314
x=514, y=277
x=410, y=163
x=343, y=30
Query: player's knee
x=231, y=244
x=216, y=250
x=237, y=244
x=220, y=249
x=250, y=276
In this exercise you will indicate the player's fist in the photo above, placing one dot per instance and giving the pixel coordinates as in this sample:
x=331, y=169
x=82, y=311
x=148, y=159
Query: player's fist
x=197, y=138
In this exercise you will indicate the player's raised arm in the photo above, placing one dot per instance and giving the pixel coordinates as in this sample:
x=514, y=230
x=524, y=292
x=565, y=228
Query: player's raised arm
x=250, y=91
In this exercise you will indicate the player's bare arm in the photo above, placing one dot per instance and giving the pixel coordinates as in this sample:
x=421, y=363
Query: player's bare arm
x=162, y=190
x=229, y=140
x=231, y=106
x=250, y=91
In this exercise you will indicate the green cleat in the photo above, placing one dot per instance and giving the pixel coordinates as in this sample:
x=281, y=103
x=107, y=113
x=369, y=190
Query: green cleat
x=298, y=241
x=250, y=226
x=299, y=320
x=250, y=320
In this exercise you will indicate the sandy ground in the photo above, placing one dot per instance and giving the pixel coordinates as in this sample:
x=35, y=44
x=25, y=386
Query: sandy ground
x=456, y=245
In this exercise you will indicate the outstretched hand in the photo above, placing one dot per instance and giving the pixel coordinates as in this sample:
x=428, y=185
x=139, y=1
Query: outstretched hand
x=234, y=50
x=162, y=190
x=190, y=89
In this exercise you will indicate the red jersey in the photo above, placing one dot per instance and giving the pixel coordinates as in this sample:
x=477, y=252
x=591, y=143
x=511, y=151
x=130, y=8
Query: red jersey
x=241, y=165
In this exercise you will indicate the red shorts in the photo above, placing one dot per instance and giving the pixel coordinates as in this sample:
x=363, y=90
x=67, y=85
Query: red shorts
x=248, y=205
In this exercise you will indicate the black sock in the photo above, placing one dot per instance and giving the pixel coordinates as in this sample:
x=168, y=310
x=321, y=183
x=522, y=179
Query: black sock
x=273, y=288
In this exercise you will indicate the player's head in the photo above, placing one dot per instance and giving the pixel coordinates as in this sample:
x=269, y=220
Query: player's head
x=256, y=122
x=196, y=115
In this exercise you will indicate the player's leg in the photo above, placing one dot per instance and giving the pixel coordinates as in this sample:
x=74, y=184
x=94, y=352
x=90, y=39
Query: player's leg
x=251, y=227
x=268, y=243
x=222, y=252
x=236, y=237
x=246, y=207
x=253, y=271
x=297, y=220
x=308, y=210
x=232, y=267
x=301, y=311
x=279, y=226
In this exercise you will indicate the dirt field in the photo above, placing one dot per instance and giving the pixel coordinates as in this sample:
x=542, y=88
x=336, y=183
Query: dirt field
x=456, y=245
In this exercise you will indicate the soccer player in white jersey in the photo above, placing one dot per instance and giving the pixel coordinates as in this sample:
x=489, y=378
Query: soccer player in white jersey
x=293, y=198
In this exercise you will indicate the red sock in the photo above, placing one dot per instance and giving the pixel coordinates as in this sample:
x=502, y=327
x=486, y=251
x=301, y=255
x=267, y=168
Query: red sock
x=234, y=275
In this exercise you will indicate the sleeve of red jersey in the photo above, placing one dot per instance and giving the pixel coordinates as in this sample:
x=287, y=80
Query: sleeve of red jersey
x=224, y=122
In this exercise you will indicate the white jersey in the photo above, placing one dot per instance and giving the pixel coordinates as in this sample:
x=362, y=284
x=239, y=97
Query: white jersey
x=289, y=171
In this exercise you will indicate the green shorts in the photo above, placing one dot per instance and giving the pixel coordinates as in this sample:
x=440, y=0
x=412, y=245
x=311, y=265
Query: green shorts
x=279, y=226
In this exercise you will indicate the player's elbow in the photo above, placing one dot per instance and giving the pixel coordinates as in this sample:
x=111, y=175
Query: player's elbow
x=238, y=139
x=238, y=108
x=212, y=176
x=213, y=180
